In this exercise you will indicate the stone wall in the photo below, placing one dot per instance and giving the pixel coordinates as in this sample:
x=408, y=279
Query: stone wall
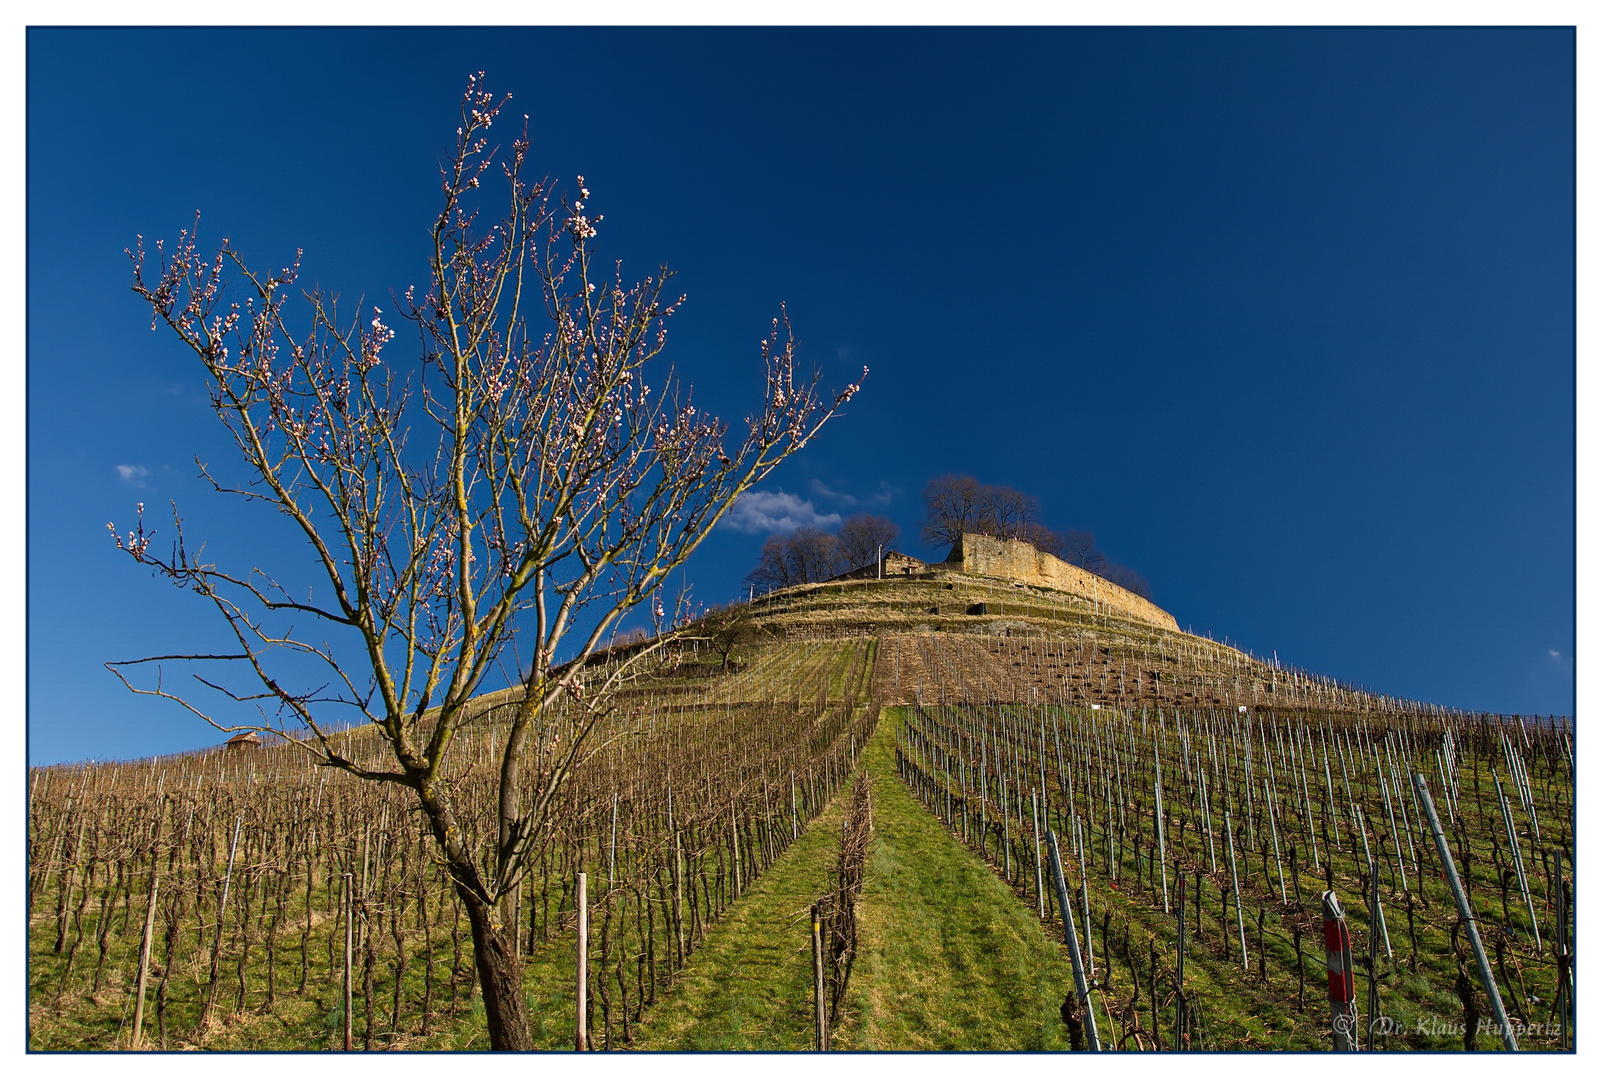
x=1015, y=560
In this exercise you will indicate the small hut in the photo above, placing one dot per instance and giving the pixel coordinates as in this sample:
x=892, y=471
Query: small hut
x=892, y=564
x=245, y=740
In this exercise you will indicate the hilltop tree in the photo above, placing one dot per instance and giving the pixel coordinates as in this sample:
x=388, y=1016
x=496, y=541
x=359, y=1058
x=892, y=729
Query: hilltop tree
x=953, y=504
x=813, y=554
x=1079, y=548
x=808, y=554
x=550, y=492
x=1126, y=578
x=1041, y=538
x=861, y=537
x=1005, y=513
x=772, y=571
x=958, y=504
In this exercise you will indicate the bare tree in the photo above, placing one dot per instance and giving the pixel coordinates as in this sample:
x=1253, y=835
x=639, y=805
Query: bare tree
x=812, y=554
x=959, y=504
x=860, y=538
x=1126, y=578
x=551, y=491
x=808, y=554
x=1005, y=513
x=953, y=505
x=772, y=568
x=1079, y=548
x=1041, y=538
x=730, y=628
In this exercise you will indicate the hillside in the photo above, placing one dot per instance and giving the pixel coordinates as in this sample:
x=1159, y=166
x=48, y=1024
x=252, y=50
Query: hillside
x=1096, y=655
x=981, y=714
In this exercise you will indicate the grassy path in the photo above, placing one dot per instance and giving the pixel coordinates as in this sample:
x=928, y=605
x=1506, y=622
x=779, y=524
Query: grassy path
x=949, y=959
x=749, y=985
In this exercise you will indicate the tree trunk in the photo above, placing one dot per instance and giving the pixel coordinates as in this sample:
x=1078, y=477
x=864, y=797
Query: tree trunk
x=500, y=975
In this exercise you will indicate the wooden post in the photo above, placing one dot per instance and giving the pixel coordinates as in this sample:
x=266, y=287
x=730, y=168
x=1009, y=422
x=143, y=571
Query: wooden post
x=1040, y=885
x=144, y=954
x=150, y=923
x=678, y=880
x=1006, y=831
x=611, y=857
x=581, y=1030
x=1240, y=920
x=216, y=943
x=820, y=1013
x=1162, y=844
x=734, y=833
x=349, y=943
x=1179, y=964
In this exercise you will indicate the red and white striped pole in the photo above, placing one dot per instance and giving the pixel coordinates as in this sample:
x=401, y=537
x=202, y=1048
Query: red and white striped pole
x=1342, y=983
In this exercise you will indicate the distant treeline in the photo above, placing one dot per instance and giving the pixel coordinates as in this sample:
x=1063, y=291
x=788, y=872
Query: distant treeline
x=811, y=554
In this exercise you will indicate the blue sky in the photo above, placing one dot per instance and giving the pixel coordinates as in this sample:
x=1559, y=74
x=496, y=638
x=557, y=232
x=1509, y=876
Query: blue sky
x=1284, y=317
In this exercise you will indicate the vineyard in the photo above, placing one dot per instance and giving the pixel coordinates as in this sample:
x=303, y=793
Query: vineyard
x=1234, y=823
x=247, y=900
x=254, y=871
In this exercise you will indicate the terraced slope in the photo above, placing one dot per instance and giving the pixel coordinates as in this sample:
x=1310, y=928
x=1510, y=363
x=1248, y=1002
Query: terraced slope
x=712, y=764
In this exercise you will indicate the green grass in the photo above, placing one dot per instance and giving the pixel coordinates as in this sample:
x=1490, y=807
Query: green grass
x=749, y=985
x=309, y=1021
x=949, y=960
x=1258, y=1009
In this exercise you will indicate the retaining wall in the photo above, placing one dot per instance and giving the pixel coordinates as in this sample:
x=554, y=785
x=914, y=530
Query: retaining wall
x=1015, y=560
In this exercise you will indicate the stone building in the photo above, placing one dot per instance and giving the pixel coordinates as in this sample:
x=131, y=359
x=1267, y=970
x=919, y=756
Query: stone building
x=893, y=564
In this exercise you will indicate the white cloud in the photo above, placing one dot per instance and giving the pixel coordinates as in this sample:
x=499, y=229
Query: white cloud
x=1554, y=654
x=776, y=512
x=822, y=490
x=133, y=474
